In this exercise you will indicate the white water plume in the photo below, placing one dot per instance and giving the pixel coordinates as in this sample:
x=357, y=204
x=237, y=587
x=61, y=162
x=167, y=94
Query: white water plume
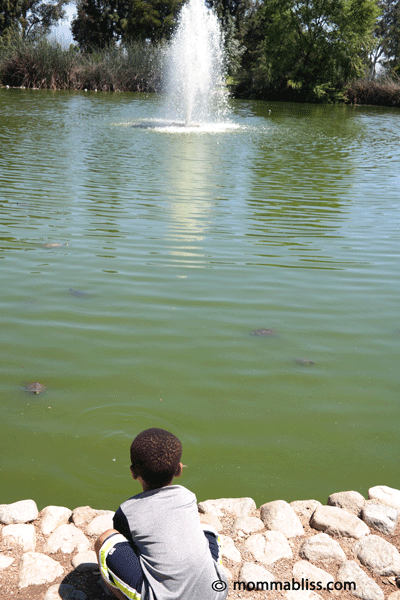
x=195, y=69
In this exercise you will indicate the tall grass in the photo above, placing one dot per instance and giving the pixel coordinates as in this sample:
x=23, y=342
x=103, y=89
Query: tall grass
x=45, y=64
x=384, y=91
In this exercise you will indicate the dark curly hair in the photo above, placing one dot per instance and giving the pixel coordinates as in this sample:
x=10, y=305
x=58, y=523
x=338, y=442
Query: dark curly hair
x=155, y=457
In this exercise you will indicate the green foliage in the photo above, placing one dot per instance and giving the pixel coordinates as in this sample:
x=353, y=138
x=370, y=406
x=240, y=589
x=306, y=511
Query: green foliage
x=306, y=49
x=29, y=18
x=101, y=23
x=152, y=20
x=387, y=34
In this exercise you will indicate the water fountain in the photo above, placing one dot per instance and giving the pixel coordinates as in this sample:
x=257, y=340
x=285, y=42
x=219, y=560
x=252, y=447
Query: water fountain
x=195, y=67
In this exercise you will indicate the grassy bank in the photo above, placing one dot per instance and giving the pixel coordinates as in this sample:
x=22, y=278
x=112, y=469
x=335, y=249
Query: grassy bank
x=45, y=65
x=138, y=68
x=380, y=92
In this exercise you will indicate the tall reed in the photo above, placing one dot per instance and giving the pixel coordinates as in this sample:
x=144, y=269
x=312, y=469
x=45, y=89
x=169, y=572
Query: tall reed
x=384, y=91
x=45, y=64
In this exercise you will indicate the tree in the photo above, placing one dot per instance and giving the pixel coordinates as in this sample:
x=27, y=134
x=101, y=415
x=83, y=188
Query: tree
x=309, y=48
x=29, y=18
x=97, y=23
x=152, y=20
x=387, y=35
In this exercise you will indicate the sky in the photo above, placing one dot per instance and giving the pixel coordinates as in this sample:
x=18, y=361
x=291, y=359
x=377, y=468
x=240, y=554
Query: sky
x=63, y=31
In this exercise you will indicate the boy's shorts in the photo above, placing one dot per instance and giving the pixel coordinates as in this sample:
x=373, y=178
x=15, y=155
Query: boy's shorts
x=120, y=564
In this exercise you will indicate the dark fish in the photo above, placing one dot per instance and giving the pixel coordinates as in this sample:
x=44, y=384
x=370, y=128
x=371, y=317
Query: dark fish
x=263, y=332
x=78, y=293
x=35, y=388
x=304, y=362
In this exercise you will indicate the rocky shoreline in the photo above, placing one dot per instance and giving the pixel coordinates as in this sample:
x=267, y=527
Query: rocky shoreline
x=279, y=551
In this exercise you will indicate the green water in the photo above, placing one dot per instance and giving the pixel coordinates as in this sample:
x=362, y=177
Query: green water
x=287, y=217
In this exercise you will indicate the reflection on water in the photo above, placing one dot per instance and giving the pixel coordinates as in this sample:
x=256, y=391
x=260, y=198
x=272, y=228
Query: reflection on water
x=138, y=257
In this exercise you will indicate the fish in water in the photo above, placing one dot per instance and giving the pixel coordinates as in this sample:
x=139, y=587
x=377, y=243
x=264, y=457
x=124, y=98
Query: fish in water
x=54, y=245
x=263, y=332
x=78, y=293
x=304, y=362
x=35, y=388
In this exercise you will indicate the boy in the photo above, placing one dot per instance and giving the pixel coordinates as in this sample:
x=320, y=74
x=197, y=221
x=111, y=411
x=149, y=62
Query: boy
x=158, y=549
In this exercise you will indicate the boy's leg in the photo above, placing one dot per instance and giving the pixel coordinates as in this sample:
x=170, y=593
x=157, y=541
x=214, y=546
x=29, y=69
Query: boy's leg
x=119, y=565
x=213, y=541
x=97, y=545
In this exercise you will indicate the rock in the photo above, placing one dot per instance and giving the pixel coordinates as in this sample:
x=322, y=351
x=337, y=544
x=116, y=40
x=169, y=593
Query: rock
x=305, y=508
x=20, y=536
x=23, y=511
x=85, y=561
x=380, y=517
x=302, y=595
x=67, y=538
x=302, y=569
x=280, y=516
x=351, y=501
x=337, y=521
x=268, y=547
x=228, y=549
x=100, y=524
x=5, y=561
x=394, y=596
x=208, y=518
x=247, y=524
x=322, y=548
x=64, y=591
x=378, y=555
x=53, y=516
x=252, y=573
x=366, y=588
x=385, y=495
x=36, y=568
x=83, y=515
x=239, y=507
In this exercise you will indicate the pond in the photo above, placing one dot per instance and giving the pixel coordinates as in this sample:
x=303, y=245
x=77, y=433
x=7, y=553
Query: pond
x=136, y=259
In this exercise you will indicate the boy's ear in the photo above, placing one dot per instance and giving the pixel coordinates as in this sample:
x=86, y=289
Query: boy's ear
x=179, y=469
x=132, y=473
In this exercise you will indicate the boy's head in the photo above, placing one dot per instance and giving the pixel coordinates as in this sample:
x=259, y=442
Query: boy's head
x=155, y=457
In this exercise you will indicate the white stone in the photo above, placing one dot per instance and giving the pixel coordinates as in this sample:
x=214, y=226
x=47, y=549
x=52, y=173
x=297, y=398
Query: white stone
x=394, y=596
x=229, y=550
x=67, y=538
x=36, y=568
x=239, y=507
x=5, y=561
x=64, y=591
x=208, y=518
x=83, y=514
x=380, y=517
x=385, y=495
x=20, y=536
x=100, y=524
x=280, y=516
x=366, y=588
x=85, y=561
x=337, y=521
x=302, y=569
x=268, y=547
x=53, y=517
x=23, y=511
x=378, y=555
x=322, y=548
x=305, y=508
x=302, y=595
x=250, y=572
x=351, y=501
x=247, y=524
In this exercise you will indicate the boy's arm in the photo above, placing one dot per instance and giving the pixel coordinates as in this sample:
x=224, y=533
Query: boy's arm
x=121, y=524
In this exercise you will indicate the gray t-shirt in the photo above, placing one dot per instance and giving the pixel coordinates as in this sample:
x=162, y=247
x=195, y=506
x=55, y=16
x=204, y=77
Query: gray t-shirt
x=164, y=526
